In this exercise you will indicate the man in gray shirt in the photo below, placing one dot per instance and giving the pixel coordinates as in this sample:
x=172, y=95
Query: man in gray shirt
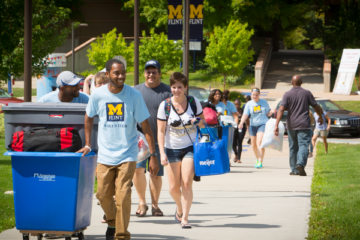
x=153, y=92
x=296, y=102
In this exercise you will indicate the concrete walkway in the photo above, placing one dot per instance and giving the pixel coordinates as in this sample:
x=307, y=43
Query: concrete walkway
x=287, y=63
x=246, y=203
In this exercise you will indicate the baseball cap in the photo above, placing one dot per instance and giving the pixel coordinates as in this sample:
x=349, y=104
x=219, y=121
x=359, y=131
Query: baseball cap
x=152, y=63
x=67, y=78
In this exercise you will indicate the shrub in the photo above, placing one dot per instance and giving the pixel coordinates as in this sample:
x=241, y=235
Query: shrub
x=235, y=94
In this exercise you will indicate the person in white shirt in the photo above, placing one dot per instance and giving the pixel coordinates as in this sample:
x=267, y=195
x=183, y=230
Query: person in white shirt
x=177, y=119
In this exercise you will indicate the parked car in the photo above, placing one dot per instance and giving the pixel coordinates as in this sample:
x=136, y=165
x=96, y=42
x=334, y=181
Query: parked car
x=342, y=121
x=6, y=98
x=200, y=93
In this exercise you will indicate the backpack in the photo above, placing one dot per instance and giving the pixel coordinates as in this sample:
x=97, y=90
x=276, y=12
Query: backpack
x=167, y=106
x=210, y=116
x=46, y=140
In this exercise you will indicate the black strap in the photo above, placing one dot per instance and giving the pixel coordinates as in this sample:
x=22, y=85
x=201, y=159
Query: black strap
x=182, y=122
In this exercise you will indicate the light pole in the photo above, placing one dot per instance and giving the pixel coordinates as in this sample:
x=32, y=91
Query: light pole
x=73, y=43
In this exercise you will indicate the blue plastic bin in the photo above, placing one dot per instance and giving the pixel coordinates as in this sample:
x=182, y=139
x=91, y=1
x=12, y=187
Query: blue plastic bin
x=52, y=191
x=227, y=135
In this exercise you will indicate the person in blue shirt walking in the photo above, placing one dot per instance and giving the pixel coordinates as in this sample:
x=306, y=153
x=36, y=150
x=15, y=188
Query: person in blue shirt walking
x=321, y=130
x=68, y=90
x=230, y=109
x=260, y=112
x=215, y=98
x=119, y=107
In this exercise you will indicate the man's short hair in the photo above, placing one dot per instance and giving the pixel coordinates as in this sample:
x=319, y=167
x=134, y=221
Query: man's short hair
x=109, y=64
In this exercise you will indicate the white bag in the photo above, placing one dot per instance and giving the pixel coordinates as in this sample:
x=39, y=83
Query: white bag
x=144, y=151
x=228, y=120
x=270, y=140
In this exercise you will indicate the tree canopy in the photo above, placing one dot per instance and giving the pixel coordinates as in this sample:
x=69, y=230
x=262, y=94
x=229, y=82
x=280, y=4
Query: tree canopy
x=343, y=32
x=48, y=32
x=228, y=50
x=107, y=47
x=167, y=53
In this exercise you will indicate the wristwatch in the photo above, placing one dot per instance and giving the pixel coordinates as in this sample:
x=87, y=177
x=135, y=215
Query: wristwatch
x=153, y=154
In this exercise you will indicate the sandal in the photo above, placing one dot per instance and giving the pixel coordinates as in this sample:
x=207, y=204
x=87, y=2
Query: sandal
x=104, y=219
x=156, y=212
x=238, y=161
x=143, y=208
x=177, y=217
x=185, y=225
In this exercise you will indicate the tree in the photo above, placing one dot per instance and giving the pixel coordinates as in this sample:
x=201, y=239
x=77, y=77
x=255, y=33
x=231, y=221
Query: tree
x=167, y=52
x=228, y=49
x=48, y=32
x=344, y=31
x=294, y=39
x=108, y=47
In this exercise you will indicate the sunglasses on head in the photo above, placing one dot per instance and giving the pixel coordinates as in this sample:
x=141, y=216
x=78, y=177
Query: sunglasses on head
x=255, y=90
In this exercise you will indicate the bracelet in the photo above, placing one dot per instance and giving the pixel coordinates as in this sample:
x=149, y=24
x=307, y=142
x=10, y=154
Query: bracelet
x=88, y=148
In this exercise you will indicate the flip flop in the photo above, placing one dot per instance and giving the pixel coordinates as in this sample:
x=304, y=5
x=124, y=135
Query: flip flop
x=177, y=216
x=185, y=225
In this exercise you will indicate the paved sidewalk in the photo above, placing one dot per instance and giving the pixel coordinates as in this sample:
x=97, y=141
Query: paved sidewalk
x=246, y=203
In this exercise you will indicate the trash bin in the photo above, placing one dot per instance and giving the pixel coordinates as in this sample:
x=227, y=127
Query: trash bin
x=52, y=191
x=226, y=133
x=25, y=116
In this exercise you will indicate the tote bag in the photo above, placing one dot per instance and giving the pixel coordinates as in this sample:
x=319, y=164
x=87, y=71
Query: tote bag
x=210, y=158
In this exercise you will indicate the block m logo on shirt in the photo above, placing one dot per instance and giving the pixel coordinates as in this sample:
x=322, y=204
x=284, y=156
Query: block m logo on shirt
x=115, y=112
x=257, y=109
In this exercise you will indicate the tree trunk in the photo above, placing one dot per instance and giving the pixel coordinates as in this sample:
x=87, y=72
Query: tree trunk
x=224, y=81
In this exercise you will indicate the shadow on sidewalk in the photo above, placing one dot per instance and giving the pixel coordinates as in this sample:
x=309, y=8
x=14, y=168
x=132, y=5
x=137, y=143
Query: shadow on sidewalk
x=239, y=225
x=139, y=236
x=166, y=203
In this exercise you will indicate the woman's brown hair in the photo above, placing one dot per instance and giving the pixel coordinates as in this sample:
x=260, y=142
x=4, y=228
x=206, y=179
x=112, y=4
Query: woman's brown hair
x=178, y=77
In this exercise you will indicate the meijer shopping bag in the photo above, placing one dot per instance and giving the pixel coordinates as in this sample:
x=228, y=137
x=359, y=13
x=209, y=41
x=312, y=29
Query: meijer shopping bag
x=210, y=158
x=270, y=140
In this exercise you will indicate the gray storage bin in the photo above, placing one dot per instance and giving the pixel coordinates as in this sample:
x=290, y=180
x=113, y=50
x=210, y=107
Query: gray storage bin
x=25, y=116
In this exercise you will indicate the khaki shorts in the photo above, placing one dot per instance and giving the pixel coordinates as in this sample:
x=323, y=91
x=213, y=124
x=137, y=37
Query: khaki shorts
x=322, y=133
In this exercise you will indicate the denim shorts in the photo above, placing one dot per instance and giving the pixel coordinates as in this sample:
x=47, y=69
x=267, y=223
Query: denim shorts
x=177, y=155
x=255, y=129
x=143, y=164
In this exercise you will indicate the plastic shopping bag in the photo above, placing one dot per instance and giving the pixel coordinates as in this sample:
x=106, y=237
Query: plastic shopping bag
x=228, y=120
x=270, y=140
x=144, y=151
x=210, y=158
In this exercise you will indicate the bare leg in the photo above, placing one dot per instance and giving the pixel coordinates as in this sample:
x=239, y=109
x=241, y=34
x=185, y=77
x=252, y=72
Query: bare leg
x=325, y=144
x=259, y=137
x=187, y=175
x=155, y=185
x=254, y=146
x=314, y=140
x=173, y=171
x=140, y=185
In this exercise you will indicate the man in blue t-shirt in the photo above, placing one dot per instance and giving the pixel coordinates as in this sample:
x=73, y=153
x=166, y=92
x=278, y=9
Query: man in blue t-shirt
x=120, y=108
x=68, y=90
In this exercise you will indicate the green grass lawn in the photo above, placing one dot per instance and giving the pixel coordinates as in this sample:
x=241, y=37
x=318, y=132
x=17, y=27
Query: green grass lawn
x=350, y=105
x=7, y=217
x=335, y=193
x=19, y=92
